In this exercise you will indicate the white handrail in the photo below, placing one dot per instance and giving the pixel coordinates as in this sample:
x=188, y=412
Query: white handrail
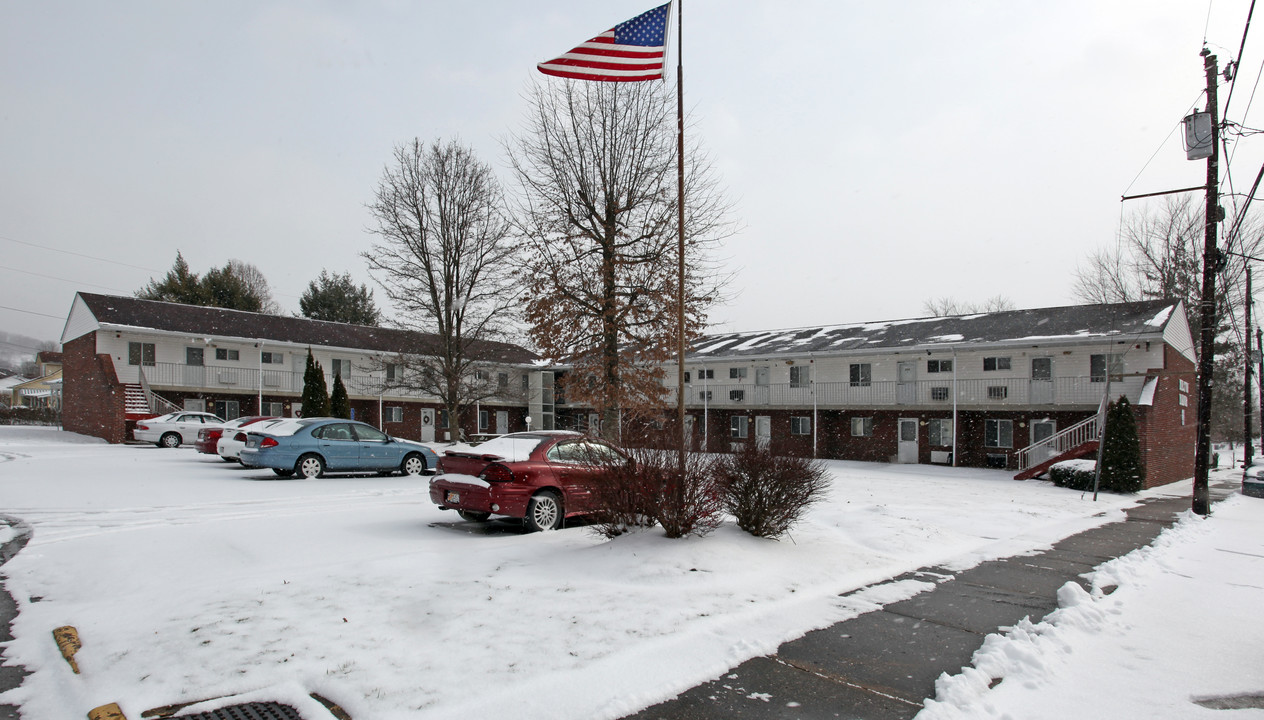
x=1061, y=441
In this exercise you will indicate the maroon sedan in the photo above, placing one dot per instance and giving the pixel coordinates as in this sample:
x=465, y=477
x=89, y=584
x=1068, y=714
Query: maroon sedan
x=541, y=477
x=208, y=437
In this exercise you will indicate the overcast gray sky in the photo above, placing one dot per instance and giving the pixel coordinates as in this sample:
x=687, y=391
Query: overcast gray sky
x=878, y=154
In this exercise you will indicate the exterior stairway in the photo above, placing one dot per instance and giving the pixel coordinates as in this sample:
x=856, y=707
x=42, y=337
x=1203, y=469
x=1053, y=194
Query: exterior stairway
x=1074, y=442
x=139, y=403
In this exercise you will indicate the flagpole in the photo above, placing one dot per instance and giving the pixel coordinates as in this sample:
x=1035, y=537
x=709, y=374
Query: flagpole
x=680, y=236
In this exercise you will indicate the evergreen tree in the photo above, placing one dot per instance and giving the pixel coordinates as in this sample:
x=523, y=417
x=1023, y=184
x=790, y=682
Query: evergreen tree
x=337, y=299
x=315, y=396
x=339, y=403
x=236, y=286
x=180, y=285
x=1121, y=454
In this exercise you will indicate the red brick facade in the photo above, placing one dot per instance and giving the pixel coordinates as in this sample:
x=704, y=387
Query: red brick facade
x=92, y=396
x=1168, y=428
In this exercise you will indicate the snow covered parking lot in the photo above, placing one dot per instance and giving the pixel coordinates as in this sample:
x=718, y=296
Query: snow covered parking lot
x=188, y=578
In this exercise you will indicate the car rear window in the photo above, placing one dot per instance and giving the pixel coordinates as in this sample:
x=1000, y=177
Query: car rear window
x=281, y=427
x=509, y=448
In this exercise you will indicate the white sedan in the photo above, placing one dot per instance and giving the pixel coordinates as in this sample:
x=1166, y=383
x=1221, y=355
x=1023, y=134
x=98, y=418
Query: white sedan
x=232, y=441
x=172, y=429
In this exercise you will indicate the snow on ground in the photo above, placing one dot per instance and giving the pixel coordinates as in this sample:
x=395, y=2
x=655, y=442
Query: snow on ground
x=191, y=578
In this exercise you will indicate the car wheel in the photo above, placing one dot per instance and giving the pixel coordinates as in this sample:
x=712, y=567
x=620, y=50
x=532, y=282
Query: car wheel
x=282, y=473
x=544, y=512
x=309, y=466
x=413, y=464
x=169, y=440
x=227, y=459
x=473, y=516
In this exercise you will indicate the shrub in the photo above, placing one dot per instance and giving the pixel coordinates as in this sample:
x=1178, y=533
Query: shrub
x=1121, y=451
x=648, y=487
x=339, y=403
x=1073, y=474
x=767, y=493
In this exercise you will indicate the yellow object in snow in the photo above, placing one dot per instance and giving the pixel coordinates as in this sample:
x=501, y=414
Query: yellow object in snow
x=106, y=712
x=68, y=642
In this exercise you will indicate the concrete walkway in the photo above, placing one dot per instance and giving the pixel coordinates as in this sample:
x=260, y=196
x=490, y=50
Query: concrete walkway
x=883, y=664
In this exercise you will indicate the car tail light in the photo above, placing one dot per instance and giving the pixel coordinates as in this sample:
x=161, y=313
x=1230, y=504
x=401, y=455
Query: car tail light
x=142, y=426
x=496, y=473
x=268, y=442
x=240, y=437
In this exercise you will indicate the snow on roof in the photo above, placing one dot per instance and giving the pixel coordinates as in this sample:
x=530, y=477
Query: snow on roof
x=1075, y=322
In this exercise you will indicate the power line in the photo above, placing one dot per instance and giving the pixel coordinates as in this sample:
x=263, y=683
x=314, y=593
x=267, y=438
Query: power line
x=32, y=312
x=78, y=254
x=59, y=279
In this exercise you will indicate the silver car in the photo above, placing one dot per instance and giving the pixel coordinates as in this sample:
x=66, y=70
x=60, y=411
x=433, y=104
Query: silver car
x=172, y=429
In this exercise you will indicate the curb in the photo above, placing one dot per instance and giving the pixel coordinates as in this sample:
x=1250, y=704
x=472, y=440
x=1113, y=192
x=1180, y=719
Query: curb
x=21, y=538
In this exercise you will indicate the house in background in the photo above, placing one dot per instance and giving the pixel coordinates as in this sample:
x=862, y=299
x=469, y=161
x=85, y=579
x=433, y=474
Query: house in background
x=127, y=359
x=1016, y=390
x=43, y=391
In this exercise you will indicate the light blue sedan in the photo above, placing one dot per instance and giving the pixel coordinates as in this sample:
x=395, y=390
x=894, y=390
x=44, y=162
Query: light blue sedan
x=311, y=446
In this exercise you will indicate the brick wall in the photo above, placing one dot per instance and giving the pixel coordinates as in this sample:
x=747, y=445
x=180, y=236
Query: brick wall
x=1167, y=429
x=92, y=397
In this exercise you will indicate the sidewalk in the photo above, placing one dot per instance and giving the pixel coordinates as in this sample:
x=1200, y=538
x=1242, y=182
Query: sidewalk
x=883, y=664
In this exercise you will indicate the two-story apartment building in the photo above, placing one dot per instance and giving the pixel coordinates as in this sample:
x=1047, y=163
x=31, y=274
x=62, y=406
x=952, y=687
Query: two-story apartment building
x=126, y=359
x=1008, y=389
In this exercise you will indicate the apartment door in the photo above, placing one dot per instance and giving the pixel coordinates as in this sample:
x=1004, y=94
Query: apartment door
x=1042, y=430
x=763, y=377
x=906, y=389
x=907, y=451
x=763, y=430
x=427, y=424
x=1041, y=381
x=502, y=422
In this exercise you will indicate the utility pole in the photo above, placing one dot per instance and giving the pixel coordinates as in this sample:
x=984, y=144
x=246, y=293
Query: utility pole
x=1259, y=348
x=1247, y=450
x=1207, y=315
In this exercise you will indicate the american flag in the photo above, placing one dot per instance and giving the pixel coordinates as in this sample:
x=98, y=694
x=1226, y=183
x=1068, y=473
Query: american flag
x=628, y=52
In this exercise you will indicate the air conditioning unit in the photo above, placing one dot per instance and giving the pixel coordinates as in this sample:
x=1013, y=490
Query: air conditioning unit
x=941, y=457
x=227, y=378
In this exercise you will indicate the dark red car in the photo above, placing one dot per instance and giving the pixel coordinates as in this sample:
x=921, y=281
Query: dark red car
x=541, y=477
x=208, y=437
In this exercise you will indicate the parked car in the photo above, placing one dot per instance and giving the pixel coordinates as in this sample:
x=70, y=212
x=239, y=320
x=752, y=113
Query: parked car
x=172, y=429
x=541, y=477
x=310, y=446
x=232, y=441
x=208, y=437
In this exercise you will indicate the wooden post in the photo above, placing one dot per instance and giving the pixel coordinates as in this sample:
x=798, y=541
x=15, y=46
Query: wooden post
x=1207, y=303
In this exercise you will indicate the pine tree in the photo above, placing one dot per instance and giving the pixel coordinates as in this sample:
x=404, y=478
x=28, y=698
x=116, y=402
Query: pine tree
x=315, y=397
x=1121, y=455
x=338, y=299
x=339, y=403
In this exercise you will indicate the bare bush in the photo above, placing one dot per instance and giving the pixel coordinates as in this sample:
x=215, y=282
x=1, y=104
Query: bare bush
x=652, y=487
x=767, y=493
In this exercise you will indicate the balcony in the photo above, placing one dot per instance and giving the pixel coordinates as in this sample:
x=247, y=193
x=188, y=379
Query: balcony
x=230, y=378
x=987, y=392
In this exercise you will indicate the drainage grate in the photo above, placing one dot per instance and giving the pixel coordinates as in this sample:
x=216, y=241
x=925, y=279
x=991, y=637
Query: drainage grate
x=249, y=711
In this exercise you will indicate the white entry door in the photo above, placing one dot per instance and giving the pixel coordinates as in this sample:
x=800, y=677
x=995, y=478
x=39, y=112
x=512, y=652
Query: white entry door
x=907, y=451
x=763, y=430
x=1042, y=430
x=906, y=389
x=502, y=422
x=1041, y=381
x=427, y=425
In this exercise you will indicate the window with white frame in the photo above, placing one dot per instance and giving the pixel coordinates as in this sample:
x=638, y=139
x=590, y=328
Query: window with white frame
x=272, y=358
x=484, y=420
x=998, y=392
x=998, y=433
x=227, y=354
x=194, y=356
x=1098, y=367
x=706, y=374
x=272, y=409
x=737, y=395
x=502, y=380
x=393, y=414
x=800, y=425
x=739, y=426
x=800, y=376
x=139, y=353
x=939, y=394
x=738, y=373
x=392, y=371
x=939, y=431
x=704, y=395
x=991, y=364
x=938, y=366
x=861, y=374
x=862, y=427
x=340, y=368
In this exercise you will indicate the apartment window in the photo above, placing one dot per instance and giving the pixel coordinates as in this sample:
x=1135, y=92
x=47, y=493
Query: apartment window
x=502, y=380
x=227, y=354
x=939, y=431
x=997, y=461
x=687, y=377
x=140, y=353
x=801, y=425
x=861, y=374
x=991, y=364
x=393, y=414
x=272, y=358
x=706, y=374
x=272, y=409
x=526, y=384
x=939, y=394
x=737, y=373
x=484, y=420
x=800, y=376
x=998, y=392
x=998, y=433
x=340, y=368
x=1097, y=367
x=482, y=375
x=704, y=395
x=938, y=366
x=737, y=395
x=739, y=425
x=392, y=371
x=194, y=356
x=862, y=427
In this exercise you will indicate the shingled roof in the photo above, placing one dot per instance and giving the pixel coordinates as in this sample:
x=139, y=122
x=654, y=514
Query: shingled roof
x=195, y=320
x=1072, y=324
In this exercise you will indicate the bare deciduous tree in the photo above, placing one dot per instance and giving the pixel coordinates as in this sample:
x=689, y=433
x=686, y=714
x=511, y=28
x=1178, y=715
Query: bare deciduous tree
x=945, y=306
x=445, y=259
x=596, y=167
